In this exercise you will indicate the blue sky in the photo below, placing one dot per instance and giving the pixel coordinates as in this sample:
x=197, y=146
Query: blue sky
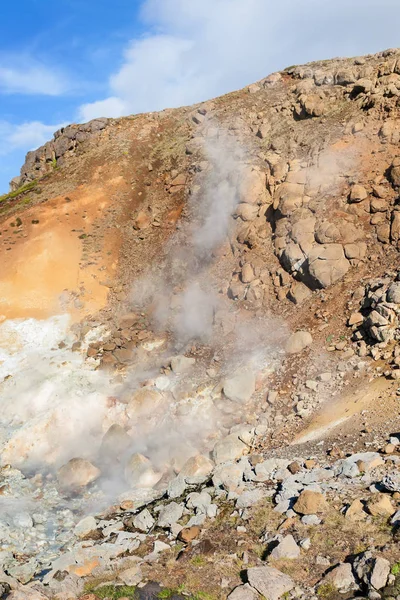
x=73, y=60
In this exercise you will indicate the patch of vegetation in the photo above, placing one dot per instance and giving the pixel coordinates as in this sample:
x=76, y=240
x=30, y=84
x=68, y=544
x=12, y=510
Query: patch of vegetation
x=198, y=561
x=326, y=590
x=113, y=592
x=395, y=570
x=202, y=596
x=167, y=593
x=21, y=190
x=54, y=163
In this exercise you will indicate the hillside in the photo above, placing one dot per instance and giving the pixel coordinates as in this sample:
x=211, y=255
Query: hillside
x=200, y=361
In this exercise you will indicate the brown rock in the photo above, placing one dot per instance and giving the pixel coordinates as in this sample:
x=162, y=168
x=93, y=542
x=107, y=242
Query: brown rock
x=142, y=221
x=310, y=463
x=77, y=472
x=389, y=449
x=381, y=505
x=355, y=511
x=327, y=264
x=358, y=193
x=355, y=319
x=310, y=503
x=294, y=468
x=197, y=466
x=188, y=534
x=127, y=320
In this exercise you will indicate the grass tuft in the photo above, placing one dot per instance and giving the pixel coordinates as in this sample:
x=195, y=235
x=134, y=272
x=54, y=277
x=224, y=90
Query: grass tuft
x=21, y=190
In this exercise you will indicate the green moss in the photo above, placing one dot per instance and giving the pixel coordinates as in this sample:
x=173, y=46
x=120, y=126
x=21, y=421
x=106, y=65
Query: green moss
x=326, y=590
x=113, y=592
x=20, y=190
x=395, y=570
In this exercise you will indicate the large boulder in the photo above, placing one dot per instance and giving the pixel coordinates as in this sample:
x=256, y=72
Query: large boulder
x=310, y=503
x=298, y=341
x=327, y=264
x=253, y=188
x=139, y=472
x=115, y=442
x=228, y=449
x=76, y=473
x=241, y=386
x=269, y=582
x=341, y=578
x=287, y=548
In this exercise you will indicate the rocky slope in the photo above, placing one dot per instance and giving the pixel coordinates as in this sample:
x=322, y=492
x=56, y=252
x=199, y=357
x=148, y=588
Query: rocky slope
x=208, y=299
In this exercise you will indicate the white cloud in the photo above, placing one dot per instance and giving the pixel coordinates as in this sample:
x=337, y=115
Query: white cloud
x=22, y=75
x=199, y=49
x=112, y=107
x=25, y=136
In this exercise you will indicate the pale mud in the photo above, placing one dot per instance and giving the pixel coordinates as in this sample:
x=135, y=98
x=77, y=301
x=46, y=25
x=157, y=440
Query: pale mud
x=42, y=262
x=338, y=412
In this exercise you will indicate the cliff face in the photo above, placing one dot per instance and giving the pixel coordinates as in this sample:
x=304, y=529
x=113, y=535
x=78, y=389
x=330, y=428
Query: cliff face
x=232, y=269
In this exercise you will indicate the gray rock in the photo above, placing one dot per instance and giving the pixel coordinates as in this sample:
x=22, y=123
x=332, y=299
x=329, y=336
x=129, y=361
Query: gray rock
x=298, y=341
x=341, y=577
x=250, y=498
x=380, y=573
x=395, y=520
x=391, y=482
x=243, y=592
x=269, y=582
x=287, y=548
x=310, y=520
x=139, y=472
x=229, y=448
x=182, y=364
x=85, y=526
x=169, y=514
x=199, y=501
x=143, y=521
x=240, y=387
x=131, y=576
x=228, y=475
x=327, y=264
x=176, y=487
x=393, y=293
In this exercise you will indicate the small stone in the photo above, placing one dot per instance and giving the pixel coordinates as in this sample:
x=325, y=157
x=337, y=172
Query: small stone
x=85, y=526
x=182, y=364
x=358, y=193
x=240, y=387
x=243, y=592
x=380, y=573
x=143, y=521
x=77, y=472
x=294, y=468
x=169, y=514
x=310, y=520
x=131, y=576
x=269, y=582
x=188, y=534
x=229, y=448
x=287, y=548
x=389, y=449
x=310, y=503
x=341, y=577
x=298, y=341
x=355, y=319
x=381, y=505
x=355, y=511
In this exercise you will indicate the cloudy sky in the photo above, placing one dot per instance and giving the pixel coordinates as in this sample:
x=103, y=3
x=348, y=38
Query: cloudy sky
x=73, y=60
